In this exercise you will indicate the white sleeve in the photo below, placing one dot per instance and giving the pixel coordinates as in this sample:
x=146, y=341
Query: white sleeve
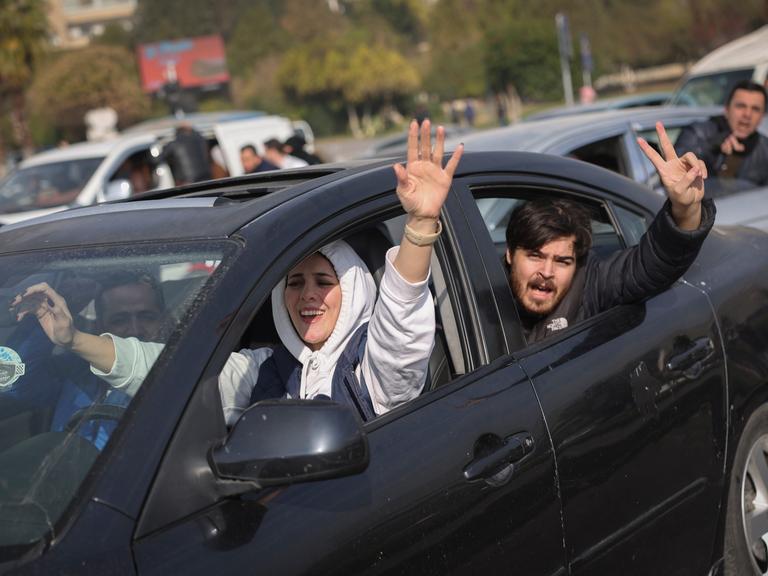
x=133, y=361
x=237, y=380
x=401, y=335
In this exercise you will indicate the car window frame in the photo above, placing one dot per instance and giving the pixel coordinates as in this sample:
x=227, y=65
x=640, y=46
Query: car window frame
x=518, y=347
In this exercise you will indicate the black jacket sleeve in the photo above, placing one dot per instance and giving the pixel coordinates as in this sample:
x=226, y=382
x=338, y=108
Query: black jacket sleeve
x=662, y=256
x=704, y=139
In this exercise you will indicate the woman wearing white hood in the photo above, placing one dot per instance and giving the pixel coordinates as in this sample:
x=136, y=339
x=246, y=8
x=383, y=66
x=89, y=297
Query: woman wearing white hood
x=338, y=341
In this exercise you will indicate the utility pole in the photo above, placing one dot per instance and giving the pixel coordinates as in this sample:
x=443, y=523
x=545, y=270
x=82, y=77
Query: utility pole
x=566, y=53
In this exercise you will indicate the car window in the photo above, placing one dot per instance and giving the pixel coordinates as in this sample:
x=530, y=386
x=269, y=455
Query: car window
x=448, y=357
x=496, y=211
x=138, y=170
x=710, y=90
x=632, y=224
x=652, y=138
x=56, y=414
x=497, y=203
x=46, y=185
x=607, y=153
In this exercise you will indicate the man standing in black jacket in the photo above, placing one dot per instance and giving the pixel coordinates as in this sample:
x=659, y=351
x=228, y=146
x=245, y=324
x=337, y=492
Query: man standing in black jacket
x=188, y=156
x=730, y=145
x=557, y=282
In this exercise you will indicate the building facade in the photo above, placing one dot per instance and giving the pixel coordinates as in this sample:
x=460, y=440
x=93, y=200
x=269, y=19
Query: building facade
x=75, y=22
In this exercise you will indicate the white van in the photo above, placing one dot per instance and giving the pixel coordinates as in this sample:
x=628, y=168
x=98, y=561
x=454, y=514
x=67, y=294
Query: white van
x=708, y=81
x=91, y=172
x=231, y=131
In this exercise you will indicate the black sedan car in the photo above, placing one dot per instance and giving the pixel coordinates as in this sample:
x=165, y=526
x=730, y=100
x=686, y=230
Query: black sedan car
x=633, y=442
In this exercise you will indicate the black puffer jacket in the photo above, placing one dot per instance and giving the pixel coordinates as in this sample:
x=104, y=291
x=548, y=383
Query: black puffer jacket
x=187, y=155
x=662, y=256
x=704, y=140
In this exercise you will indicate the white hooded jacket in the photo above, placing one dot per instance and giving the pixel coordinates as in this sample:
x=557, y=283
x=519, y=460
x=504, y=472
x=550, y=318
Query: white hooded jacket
x=401, y=334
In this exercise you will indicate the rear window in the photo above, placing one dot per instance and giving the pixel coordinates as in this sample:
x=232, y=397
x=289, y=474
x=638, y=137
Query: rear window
x=710, y=90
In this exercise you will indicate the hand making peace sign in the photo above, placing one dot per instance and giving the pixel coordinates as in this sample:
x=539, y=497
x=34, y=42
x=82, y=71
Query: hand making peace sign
x=683, y=178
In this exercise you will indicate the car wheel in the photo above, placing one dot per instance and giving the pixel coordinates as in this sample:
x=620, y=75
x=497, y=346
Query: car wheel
x=746, y=529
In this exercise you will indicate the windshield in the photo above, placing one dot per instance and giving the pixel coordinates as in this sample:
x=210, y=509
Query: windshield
x=58, y=412
x=46, y=185
x=710, y=90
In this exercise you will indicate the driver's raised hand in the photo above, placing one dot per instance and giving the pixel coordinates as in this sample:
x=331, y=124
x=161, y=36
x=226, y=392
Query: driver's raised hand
x=51, y=311
x=683, y=178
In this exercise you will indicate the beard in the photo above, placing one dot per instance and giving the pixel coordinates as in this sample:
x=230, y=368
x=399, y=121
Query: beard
x=538, y=296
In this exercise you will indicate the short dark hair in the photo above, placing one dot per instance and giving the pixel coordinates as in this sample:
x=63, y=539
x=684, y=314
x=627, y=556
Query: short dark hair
x=126, y=278
x=273, y=144
x=534, y=223
x=749, y=86
x=249, y=148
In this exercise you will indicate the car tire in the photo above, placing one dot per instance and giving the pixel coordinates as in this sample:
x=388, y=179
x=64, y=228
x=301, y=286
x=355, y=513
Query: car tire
x=747, y=506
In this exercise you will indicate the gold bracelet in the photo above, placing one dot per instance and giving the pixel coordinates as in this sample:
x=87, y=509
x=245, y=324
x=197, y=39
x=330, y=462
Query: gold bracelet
x=420, y=239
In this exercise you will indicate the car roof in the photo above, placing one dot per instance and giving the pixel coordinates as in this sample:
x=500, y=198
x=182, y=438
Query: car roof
x=543, y=135
x=612, y=103
x=745, y=52
x=203, y=122
x=82, y=150
x=218, y=209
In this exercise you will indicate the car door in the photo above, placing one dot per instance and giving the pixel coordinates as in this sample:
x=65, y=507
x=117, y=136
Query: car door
x=635, y=401
x=460, y=480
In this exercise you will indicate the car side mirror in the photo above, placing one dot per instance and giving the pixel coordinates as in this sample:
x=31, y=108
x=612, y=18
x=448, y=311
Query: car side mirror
x=119, y=189
x=279, y=442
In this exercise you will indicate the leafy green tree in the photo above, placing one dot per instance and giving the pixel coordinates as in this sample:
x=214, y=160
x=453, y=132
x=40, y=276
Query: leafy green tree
x=523, y=55
x=23, y=33
x=79, y=81
x=255, y=36
x=456, y=68
x=352, y=77
x=173, y=19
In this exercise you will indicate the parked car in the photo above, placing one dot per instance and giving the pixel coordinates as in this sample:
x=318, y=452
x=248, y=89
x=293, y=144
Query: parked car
x=708, y=81
x=630, y=443
x=90, y=172
x=615, y=103
x=81, y=174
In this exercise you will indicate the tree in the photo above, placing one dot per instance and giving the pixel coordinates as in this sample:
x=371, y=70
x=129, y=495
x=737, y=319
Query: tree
x=174, y=19
x=95, y=77
x=523, y=55
x=350, y=76
x=23, y=33
x=256, y=35
x=456, y=67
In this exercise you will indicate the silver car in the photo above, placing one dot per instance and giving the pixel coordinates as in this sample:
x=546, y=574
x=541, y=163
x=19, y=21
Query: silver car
x=609, y=139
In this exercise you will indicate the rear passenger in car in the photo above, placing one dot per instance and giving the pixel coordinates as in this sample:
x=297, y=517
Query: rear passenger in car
x=337, y=340
x=557, y=282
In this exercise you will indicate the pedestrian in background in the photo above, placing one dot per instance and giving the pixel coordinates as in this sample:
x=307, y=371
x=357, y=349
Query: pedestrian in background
x=273, y=152
x=188, y=156
x=295, y=146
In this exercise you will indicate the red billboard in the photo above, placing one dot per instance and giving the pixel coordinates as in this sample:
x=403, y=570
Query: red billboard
x=192, y=62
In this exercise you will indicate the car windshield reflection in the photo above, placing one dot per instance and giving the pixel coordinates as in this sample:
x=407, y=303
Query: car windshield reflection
x=57, y=414
x=46, y=185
